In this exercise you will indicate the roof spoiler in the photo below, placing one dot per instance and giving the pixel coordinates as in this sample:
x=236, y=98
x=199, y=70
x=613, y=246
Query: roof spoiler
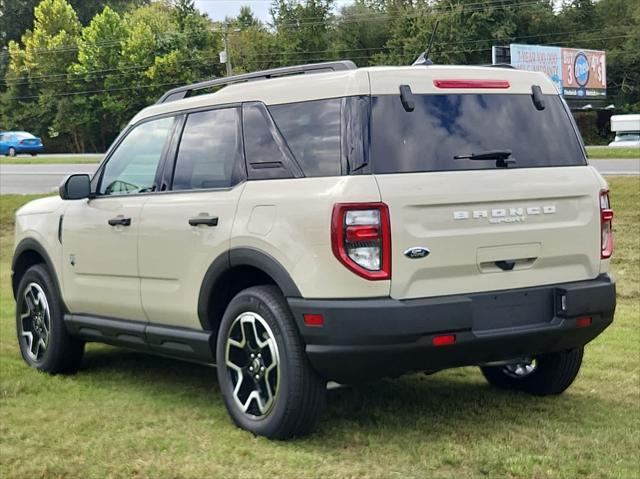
x=185, y=91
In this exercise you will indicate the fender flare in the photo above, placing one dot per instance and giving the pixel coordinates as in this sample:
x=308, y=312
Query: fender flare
x=29, y=244
x=244, y=256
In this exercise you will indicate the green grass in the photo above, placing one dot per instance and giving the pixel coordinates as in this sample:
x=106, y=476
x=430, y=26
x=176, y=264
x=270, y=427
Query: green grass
x=604, y=152
x=130, y=415
x=56, y=160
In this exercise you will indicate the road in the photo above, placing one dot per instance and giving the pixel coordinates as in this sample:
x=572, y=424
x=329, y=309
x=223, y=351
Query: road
x=43, y=178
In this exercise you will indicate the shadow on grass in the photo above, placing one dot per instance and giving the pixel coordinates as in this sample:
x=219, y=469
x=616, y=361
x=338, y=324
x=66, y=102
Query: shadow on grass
x=454, y=402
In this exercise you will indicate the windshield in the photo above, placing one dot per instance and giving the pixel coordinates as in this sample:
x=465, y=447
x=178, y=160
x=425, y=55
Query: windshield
x=466, y=126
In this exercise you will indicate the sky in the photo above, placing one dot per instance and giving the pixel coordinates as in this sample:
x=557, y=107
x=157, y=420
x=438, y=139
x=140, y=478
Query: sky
x=219, y=9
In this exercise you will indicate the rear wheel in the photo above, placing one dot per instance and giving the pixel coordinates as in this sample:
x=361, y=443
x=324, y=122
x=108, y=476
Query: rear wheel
x=44, y=341
x=265, y=378
x=12, y=151
x=544, y=375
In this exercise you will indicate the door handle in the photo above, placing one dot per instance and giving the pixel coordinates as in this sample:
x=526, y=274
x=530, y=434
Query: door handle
x=204, y=220
x=120, y=221
x=506, y=265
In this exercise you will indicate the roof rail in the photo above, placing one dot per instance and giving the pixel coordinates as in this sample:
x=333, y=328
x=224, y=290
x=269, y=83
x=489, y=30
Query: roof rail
x=185, y=91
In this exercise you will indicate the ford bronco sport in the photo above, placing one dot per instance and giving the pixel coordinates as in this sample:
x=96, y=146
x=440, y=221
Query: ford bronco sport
x=328, y=223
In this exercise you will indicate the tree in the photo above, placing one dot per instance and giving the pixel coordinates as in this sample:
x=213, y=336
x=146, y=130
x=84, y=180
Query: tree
x=96, y=71
x=361, y=32
x=303, y=30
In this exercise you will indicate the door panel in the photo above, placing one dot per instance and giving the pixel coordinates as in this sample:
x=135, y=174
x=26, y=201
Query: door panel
x=174, y=255
x=183, y=232
x=100, y=268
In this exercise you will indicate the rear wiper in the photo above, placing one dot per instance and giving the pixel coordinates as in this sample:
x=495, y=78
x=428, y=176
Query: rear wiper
x=501, y=157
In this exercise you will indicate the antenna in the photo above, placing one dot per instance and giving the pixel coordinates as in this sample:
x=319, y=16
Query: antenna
x=423, y=59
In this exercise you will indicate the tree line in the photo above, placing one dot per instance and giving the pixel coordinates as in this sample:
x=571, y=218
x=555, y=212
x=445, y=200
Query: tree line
x=74, y=72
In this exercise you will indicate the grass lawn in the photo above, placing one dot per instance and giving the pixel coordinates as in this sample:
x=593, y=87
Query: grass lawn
x=129, y=415
x=53, y=160
x=604, y=152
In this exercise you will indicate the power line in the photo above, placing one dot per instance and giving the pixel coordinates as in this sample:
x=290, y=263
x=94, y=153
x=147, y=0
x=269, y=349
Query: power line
x=123, y=71
x=102, y=91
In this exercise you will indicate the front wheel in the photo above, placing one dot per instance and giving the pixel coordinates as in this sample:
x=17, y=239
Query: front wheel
x=267, y=383
x=44, y=341
x=544, y=375
x=12, y=152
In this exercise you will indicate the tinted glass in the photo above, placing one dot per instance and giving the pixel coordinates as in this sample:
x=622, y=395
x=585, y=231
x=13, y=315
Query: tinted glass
x=265, y=156
x=209, y=150
x=312, y=131
x=132, y=166
x=444, y=126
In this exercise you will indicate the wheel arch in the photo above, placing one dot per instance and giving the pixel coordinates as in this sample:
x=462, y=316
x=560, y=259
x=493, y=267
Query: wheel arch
x=233, y=271
x=28, y=253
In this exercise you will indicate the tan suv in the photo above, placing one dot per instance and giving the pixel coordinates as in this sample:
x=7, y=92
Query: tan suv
x=327, y=223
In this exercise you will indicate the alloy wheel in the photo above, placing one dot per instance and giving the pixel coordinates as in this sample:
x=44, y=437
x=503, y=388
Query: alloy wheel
x=35, y=321
x=253, y=364
x=520, y=369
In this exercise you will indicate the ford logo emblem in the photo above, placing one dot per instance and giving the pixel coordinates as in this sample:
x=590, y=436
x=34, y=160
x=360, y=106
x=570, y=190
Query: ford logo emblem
x=417, y=253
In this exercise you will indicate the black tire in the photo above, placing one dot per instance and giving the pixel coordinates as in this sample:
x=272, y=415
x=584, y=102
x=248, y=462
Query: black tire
x=12, y=151
x=34, y=154
x=552, y=375
x=300, y=394
x=63, y=353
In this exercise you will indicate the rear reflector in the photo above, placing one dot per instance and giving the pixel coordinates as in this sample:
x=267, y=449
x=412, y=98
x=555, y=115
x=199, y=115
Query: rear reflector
x=313, y=319
x=492, y=84
x=584, y=322
x=444, y=340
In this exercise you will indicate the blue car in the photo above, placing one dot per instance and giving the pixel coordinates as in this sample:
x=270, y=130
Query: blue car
x=13, y=143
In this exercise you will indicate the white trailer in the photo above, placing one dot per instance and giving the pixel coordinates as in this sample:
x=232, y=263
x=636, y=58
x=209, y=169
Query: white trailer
x=627, y=130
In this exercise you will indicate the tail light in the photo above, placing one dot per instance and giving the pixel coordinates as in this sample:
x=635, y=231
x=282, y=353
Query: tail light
x=21, y=142
x=606, y=225
x=361, y=238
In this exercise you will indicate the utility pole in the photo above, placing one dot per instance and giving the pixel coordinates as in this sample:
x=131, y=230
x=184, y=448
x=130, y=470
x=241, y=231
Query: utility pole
x=226, y=49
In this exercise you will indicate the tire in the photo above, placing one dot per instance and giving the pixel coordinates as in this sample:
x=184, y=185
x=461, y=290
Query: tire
x=12, y=151
x=34, y=154
x=297, y=392
x=553, y=374
x=58, y=352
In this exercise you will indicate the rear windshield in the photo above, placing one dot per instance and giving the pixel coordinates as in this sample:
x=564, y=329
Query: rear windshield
x=24, y=134
x=442, y=127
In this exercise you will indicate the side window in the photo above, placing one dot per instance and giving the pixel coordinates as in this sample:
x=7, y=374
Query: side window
x=210, y=150
x=267, y=154
x=132, y=166
x=312, y=131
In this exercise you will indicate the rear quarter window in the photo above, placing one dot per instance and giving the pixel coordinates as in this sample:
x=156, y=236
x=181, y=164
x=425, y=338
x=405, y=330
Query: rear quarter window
x=312, y=131
x=444, y=126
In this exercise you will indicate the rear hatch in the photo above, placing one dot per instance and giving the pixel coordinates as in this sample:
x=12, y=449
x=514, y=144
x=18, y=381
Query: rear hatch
x=524, y=214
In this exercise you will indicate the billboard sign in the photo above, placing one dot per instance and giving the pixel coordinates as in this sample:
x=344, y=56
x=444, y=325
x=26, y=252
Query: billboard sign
x=576, y=73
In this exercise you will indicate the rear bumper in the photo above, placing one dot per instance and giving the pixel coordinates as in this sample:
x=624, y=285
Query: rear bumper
x=366, y=339
x=29, y=149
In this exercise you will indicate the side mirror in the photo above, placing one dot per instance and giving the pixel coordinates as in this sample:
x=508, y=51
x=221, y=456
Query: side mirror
x=76, y=187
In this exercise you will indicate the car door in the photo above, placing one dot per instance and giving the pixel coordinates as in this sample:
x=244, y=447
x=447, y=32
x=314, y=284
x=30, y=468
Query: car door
x=100, y=235
x=183, y=230
x=3, y=143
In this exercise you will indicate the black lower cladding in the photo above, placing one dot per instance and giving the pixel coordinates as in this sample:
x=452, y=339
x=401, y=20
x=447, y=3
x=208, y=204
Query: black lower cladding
x=183, y=343
x=366, y=339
